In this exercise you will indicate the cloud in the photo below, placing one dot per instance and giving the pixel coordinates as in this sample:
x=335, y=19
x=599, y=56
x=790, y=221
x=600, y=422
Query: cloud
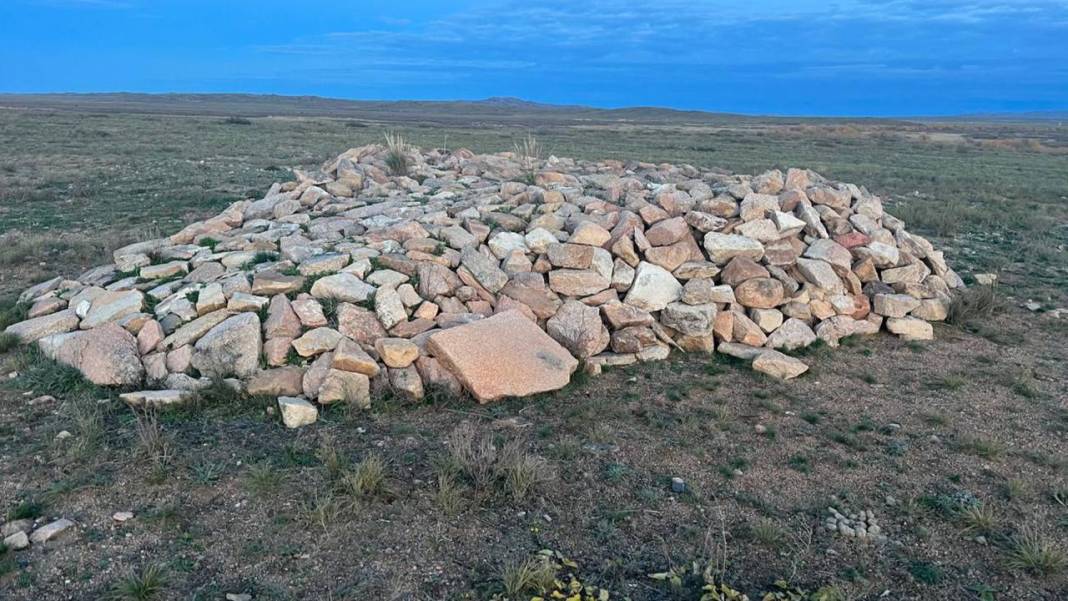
x=110, y=4
x=693, y=52
x=671, y=32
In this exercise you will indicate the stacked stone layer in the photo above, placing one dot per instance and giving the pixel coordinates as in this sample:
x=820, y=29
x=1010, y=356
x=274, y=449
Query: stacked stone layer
x=352, y=278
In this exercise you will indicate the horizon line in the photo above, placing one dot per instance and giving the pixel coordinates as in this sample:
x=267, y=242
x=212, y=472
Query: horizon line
x=552, y=105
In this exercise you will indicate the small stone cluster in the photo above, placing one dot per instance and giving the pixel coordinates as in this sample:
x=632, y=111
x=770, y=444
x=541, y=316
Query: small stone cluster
x=19, y=534
x=860, y=525
x=499, y=274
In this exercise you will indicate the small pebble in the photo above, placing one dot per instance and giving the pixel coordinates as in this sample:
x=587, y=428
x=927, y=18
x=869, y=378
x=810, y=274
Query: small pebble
x=122, y=516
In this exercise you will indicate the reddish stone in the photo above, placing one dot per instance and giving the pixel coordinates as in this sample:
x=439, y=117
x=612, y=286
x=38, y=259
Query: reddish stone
x=502, y=356
x=852, y=239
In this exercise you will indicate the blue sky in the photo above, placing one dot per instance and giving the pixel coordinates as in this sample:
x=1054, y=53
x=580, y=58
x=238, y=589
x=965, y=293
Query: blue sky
x=800, y=57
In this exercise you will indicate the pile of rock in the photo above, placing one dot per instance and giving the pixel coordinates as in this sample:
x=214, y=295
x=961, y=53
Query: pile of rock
x=855, y=525
x=497, y=273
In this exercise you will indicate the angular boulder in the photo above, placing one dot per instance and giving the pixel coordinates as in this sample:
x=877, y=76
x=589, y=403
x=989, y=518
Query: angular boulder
x=231, y=348
x=579, y=328
x=653, y=289
x=106, y=356
x=778, y=365
x=296, y=412
x=503, y=356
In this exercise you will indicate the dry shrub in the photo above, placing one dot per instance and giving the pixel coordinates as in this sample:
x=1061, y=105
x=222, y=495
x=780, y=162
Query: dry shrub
x=977, y=302
x=472, y=455
x=152, y=442
x=521, y=473
x=511, y=469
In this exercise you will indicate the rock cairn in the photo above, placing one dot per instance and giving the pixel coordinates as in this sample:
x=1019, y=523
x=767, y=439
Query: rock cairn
x=499, y=274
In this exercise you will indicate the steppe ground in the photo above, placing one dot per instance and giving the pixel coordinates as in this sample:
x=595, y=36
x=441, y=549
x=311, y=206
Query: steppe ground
x=959, y=446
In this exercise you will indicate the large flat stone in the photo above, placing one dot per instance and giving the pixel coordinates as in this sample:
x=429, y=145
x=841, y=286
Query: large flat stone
x=778, y=365
x=502, y=356
x=112, y=306
x=47, y=325
x=192, y=331
x=155, y=399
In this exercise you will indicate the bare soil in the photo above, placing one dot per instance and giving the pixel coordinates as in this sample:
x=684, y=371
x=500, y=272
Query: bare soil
x=877, y=418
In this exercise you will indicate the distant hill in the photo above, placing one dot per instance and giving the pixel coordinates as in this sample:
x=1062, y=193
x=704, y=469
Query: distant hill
x=498, y=109
x=515, y=111
x=1007, y=117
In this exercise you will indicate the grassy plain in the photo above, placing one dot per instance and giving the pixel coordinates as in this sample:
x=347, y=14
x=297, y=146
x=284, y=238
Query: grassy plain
x=959, y=446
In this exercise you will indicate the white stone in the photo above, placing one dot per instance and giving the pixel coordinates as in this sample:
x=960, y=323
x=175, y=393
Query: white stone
x=297, y=412
x=653, y=288
x=50, y=531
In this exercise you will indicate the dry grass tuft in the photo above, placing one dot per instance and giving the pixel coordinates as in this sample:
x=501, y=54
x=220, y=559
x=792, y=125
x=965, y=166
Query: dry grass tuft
x=152, y=442
x=521, y=472
x=88, y=422
x=767, y=532
x=511, y=469
x=323, y=510
x=473, y=456
x=397, y=157
x=262, y=479
x=335, y=463
x=8, y=341
x=449, y=496
x=1032, y=552
x=980, y=518
x=534, y=576
x=145, y=585
x=528, y=150
x=367, y=479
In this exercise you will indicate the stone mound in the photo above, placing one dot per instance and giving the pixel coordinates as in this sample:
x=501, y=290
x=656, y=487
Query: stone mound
x=499, y=274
